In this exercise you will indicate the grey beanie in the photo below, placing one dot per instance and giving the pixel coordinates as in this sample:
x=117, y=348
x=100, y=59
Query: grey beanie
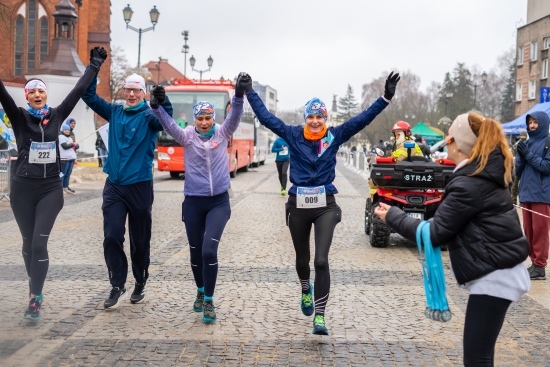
x=523, y=132
x=462, y=132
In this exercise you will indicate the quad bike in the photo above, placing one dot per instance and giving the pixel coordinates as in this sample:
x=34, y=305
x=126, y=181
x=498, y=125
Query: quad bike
x=415, y=185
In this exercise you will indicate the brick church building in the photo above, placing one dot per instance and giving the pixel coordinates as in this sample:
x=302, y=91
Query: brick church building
x=28, y=29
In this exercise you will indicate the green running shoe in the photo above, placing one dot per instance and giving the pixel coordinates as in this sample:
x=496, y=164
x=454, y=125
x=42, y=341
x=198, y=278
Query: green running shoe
x=306, y=302
x=197, y=305
x=209, y=312
x=319, y=327
x=34, y=311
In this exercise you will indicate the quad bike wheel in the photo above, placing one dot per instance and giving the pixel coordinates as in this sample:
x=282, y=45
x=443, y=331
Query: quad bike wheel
x=368, y=209
x=380, y=233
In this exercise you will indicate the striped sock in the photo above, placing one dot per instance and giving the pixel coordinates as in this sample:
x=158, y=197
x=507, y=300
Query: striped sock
x=305, y=285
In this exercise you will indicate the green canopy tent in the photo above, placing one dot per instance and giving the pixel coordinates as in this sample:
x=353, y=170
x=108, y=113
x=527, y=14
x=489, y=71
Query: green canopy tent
x=431, y=135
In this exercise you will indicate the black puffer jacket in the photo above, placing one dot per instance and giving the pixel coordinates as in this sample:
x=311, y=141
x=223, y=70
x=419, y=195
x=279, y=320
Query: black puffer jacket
x=477, y=221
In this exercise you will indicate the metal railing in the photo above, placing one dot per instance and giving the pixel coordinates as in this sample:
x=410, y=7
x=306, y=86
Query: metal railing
x=5, y=173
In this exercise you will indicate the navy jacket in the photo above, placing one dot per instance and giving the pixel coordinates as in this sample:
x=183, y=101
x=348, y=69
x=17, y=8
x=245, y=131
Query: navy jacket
x=534, y=168
x=307, y=166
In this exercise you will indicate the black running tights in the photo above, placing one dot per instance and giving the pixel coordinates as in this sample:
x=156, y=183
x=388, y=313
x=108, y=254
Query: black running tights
x=299, y=222
x=36, y=204
x=484, y=319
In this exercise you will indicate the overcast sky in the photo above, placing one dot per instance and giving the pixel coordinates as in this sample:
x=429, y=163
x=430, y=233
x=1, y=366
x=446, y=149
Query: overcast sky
x=306, y=49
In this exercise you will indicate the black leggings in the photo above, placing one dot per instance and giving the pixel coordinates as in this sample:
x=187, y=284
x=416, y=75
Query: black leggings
x=36, y=202
x=282, y=168
x=299, y=221
x=484, y=319
x=205, y=218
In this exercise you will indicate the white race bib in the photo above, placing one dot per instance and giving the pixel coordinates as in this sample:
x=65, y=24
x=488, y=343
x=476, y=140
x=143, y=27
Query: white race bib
x=42, y=153
x=311, y=197
x=284, y=151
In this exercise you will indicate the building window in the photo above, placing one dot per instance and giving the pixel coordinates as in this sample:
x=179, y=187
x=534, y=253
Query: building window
x=519, y=92
x=534, y=51
x=546, y=43
x=44, y=36
x=19, y=28
x=532, y=89
x=31, y=36
x=271, y=95
x=544, y=69
x=520, y=56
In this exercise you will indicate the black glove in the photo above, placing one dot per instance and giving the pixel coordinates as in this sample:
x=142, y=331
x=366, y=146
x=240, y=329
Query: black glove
x=391, y=83
x=522, y=148
x=243, y=85
x=97, y=57
x=158, y=96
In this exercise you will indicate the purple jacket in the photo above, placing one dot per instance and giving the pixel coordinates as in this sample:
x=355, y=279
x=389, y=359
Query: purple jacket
x=206, y=162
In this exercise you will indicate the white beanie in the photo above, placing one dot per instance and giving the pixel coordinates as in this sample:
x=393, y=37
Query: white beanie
x=464, y=135
x=135, y=81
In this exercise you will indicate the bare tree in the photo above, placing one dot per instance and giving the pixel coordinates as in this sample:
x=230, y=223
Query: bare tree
x=119, y=70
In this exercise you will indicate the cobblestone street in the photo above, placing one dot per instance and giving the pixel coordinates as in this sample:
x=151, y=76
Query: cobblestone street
x=375, y=313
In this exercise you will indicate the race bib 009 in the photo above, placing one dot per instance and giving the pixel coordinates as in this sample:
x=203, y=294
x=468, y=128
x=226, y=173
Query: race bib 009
x=311, y=197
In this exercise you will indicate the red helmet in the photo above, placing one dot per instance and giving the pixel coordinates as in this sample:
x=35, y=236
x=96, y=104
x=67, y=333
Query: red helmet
x=403, y=126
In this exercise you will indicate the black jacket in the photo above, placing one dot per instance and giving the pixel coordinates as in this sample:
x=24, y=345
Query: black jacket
x=27, y=127
x=477, y=221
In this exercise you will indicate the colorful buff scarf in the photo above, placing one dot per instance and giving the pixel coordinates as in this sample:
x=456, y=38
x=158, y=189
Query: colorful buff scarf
x=38, y=113
x=203, y=108
x=315, y=107
x=34, y=84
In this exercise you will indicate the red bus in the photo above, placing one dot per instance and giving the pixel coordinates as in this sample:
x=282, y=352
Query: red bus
x=183, y=94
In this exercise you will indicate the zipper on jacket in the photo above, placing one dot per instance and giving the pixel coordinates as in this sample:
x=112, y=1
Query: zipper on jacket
x=208, y=166
x=42, y=130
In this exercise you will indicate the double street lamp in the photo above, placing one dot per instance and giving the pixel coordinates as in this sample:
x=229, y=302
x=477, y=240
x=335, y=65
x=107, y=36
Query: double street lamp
x=472, y=81
x=447, y=95
x=192, y=60
x=128, y=12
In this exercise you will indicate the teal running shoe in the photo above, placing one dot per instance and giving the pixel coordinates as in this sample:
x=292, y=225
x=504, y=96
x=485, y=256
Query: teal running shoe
x=197, y=305
x=319, y=327
x=34, y=311
x=306, y=302
x=209, y=312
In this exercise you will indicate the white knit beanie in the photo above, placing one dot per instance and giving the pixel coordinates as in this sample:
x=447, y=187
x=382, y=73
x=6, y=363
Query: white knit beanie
x=462, y=132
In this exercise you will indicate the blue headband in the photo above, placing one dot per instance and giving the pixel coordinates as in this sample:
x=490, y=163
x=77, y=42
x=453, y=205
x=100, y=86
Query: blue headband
x=315, y=107
x=203, y=108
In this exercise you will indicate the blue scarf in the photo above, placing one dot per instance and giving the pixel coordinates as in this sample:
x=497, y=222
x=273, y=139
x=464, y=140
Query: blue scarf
x=208, y=134
x=134, y=108
x=38, y=113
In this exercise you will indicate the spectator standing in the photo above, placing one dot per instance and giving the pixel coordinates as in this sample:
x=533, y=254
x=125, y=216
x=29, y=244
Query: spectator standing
x=101, y=150
x=128, y=190
x=282, y=160
x=515, y=185
x=533, y=169
x=67, y=153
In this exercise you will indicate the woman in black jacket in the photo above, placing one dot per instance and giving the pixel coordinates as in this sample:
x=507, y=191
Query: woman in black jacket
x=36, y=192
x=479, y=224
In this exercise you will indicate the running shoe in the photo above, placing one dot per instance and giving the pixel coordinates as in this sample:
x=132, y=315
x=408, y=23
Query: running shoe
x=283, y=192
x=71, y=190
x=209, y=312
x=538, y=273
x=139, y=293
x=34, y=311
x=66, y=191
x=197, y=305
x=117, y=294
x=306, y=302
x=319, y=327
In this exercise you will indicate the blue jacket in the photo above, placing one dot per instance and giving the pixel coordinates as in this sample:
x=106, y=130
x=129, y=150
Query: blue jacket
x=132, y=138
x=311, y=163
x=279, y=147
x=534, y=169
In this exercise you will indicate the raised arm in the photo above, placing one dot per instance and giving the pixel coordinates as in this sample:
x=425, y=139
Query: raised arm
x=169, y=124
x=265, y=117
x=358, y=123
x=8, y=104
x=97, y=57
x=232, y=120
x=95, y=102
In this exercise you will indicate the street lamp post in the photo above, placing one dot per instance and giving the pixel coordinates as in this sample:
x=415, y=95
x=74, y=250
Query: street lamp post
x=128, y=12
x=185, y=50
x=472, y=81
x=192, y=60
x=448, y=96
x=158, y=69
